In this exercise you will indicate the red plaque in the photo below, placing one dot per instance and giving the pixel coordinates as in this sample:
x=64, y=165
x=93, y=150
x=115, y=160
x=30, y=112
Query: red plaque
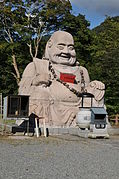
x=67, y=77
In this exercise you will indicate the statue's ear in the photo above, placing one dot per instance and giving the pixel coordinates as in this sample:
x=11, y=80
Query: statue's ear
x=50, y=43
x=48, y=46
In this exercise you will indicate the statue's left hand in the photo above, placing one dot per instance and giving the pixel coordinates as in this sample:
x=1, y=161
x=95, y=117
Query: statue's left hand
x=96, y=88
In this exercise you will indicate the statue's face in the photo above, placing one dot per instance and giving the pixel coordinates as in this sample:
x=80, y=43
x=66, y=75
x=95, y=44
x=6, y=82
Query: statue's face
x=62, y=49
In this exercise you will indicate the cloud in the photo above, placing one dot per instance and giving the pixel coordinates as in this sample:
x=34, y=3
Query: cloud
x=101, y=7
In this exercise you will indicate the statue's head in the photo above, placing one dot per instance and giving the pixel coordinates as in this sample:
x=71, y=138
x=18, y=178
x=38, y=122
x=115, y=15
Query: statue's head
x=60, y=48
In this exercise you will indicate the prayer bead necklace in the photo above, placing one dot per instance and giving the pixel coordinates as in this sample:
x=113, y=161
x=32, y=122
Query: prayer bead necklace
x=77, y=93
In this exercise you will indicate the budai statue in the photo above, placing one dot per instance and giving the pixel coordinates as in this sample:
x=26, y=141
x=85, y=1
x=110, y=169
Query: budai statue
x=56, y=81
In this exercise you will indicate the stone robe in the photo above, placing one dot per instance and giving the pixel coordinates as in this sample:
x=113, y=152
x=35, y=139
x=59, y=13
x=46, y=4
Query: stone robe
x=48, y=97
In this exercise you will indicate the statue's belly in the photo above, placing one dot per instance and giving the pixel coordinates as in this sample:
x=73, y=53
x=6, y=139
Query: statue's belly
x=59, y=92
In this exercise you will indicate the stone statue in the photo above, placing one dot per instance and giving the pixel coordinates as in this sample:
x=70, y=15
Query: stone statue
x=55, y=82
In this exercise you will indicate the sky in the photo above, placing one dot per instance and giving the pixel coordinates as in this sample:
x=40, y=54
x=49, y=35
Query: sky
x=95, y=11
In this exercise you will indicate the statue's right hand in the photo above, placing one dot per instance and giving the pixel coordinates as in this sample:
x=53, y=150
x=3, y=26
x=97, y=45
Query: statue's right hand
x=97, y=88
x=41, y=79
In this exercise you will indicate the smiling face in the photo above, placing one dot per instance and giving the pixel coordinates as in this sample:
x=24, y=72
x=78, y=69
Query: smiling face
x=61, y=48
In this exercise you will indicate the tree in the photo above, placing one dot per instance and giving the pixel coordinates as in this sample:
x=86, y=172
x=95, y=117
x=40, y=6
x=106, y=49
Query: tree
x=20, y=23
x=110, y=75
x=54, y=13
x=6, y=25
x=105, y=58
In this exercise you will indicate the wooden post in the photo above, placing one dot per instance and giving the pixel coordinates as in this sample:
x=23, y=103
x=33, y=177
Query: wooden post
x=44, y=127
x=116, y=120
x=28, y=126
x=37, y=127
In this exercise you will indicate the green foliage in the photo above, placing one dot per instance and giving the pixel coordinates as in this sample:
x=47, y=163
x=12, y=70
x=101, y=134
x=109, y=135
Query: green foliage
x=108, y=36
x=5, y=75
x=54, y=13
x=8, y=83
x=105, y=58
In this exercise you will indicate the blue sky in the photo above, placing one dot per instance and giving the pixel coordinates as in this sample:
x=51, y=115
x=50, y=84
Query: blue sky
x=95, y=11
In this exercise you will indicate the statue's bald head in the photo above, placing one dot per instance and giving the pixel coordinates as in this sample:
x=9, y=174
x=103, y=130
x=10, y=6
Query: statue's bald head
x=60, y=48
x=61, y=36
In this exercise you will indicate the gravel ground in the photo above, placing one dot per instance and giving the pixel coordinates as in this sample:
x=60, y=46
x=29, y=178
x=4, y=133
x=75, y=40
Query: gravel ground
x=59, y=157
